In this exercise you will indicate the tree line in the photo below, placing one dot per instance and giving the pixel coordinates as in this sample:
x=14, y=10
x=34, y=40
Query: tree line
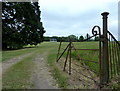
x=21, y=24
x=71, y=38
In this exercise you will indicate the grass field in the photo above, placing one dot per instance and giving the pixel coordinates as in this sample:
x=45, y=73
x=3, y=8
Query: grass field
x=22, y=68
x=92, y=55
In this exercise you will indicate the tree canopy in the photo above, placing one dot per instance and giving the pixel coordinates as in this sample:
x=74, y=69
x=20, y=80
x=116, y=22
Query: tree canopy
x=21, y=24
x=81, y=38
x=73, y=38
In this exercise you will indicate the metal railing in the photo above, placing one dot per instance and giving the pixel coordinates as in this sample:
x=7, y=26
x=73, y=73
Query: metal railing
x=109, y=56
x=114, y=56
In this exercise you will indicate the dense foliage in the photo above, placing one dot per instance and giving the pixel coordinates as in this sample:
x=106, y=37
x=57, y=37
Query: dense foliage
x=21, y=24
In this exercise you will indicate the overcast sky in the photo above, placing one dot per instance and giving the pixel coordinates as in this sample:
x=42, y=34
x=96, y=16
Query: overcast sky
x=77, y=17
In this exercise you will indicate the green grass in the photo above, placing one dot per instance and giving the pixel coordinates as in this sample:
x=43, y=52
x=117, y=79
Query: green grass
x=88, y=55
x=51, y=60
x=6, y=55
x=92, y=55
x=0, y=56
x=18, y=76
x=56, y=72
x=22, y=70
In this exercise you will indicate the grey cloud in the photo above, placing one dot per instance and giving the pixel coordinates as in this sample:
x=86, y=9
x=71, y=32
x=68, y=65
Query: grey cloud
x=65, y=23
x=84, y=19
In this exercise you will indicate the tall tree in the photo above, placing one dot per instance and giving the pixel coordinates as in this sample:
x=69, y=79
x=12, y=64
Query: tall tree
x=21, y=24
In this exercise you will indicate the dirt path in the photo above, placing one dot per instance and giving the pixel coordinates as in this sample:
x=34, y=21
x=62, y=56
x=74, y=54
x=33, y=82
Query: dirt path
x=7, y=64
x=42, y=78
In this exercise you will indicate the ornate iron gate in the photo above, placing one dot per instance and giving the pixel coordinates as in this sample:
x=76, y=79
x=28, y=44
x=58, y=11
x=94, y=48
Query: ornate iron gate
x=109, y=55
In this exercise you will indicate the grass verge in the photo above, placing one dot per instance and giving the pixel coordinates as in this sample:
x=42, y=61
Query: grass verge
x=56, y=72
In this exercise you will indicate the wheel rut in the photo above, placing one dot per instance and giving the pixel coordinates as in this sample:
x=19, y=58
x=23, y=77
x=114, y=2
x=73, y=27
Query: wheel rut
x=7, y=64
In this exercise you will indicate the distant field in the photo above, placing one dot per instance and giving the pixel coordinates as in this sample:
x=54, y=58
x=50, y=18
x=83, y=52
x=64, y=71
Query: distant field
x=92, y=55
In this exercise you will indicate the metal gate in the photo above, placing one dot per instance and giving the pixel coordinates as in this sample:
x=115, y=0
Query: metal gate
x=109, y=56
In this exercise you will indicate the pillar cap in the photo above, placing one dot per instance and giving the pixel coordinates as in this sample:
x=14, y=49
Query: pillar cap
x=105, y=13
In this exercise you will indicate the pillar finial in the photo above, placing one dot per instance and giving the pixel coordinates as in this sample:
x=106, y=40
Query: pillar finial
x=105, y=13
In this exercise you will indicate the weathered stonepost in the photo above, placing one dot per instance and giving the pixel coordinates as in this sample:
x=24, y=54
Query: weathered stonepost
x=104, y=76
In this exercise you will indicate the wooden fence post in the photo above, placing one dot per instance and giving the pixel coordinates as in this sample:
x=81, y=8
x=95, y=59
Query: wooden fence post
x=104, y=74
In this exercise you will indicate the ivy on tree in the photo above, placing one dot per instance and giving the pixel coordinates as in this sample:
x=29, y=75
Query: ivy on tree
x=21, y=24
